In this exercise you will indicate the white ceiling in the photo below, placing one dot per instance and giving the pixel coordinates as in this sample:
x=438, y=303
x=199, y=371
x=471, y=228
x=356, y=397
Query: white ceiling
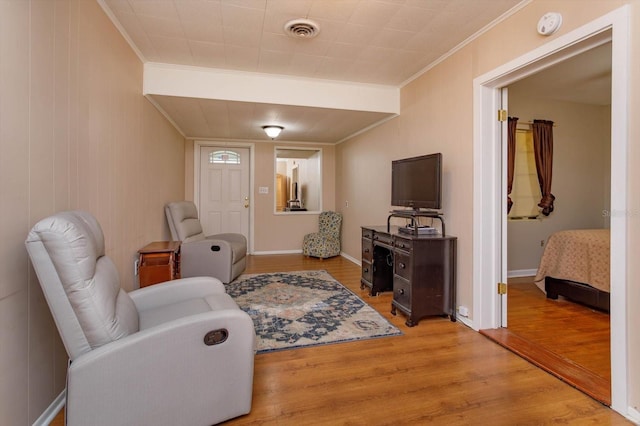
x=372, y=42
x=584, y=78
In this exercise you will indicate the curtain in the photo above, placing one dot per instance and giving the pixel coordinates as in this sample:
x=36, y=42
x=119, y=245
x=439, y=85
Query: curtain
x=543, y=150
x=511, y=157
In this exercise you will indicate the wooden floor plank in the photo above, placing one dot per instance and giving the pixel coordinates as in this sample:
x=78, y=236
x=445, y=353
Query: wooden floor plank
x=567, y=339
x=566, y=370
x=438, y=372
x=585, y=336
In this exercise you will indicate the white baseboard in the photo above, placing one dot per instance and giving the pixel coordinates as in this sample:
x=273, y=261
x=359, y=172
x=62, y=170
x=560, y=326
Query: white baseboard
x=522, y=273
x=465, y=320
x=633, y=415
x=264, y=253
x=52, y=410
x=352, y=259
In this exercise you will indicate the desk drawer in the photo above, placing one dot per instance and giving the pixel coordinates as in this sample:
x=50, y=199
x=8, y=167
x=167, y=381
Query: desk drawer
x=367, y=271
x=403, y=243
x=402, y=264
x=383, y=238
x=402, y=292
x=367, y=249
x=367, y=233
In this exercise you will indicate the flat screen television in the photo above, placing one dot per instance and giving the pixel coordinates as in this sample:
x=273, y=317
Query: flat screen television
x=417, y=182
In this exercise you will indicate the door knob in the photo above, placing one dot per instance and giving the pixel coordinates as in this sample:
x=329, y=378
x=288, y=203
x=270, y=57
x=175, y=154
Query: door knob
x=246, y=202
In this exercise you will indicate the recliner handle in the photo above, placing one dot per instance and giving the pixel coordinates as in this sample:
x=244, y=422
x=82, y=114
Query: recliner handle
x=215, y=248
x=215, y=337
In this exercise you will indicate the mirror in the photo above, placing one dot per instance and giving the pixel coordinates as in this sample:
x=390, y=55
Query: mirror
x=298, y=180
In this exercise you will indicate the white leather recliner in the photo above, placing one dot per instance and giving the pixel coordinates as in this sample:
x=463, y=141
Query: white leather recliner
x=175, y=353
x=222, y=255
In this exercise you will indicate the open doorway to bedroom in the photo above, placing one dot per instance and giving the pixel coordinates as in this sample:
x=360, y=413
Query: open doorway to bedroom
x=489, y=230
x=575, y=95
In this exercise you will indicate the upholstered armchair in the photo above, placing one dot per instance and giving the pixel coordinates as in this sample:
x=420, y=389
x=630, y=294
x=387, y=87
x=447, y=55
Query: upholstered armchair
x=222, y=256
x=326, y=242
x=174, y=353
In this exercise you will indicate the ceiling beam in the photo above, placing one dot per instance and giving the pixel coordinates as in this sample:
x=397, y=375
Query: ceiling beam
x=208, y=83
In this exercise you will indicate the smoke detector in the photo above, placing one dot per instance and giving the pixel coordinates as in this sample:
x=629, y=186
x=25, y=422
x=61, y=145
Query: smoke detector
x=301, y=28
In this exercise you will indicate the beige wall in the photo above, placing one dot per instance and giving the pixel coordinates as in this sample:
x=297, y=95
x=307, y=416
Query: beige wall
x=581, y=174
x=437, y=115
x=75, y=132
x=282, y=232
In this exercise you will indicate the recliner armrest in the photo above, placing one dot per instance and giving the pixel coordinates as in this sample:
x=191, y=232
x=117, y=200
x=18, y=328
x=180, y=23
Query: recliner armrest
x=175, y=291
x=202, y=246
x=231, y=237
x=164, y=363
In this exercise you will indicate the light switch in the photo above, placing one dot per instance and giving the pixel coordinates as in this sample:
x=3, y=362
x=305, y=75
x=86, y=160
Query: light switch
x=263, y=190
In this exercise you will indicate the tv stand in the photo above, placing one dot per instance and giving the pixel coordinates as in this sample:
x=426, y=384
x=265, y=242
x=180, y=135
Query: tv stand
x=412, y=215
x=420, y=269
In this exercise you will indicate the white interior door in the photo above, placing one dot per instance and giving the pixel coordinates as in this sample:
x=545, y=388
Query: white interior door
x=224, y=190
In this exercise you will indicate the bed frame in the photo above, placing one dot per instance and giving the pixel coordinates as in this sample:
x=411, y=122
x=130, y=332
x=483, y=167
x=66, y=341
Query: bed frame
x=577, y=292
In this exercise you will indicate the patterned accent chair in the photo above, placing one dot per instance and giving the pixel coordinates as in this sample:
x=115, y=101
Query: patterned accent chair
x=326, y=242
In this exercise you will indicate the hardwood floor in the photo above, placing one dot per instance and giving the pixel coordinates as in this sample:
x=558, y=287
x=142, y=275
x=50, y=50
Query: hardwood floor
x=439, y=372
x=567, y=339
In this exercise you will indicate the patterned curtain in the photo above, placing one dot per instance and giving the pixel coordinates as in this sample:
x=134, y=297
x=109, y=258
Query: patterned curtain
x=543, y=150
x=511, y=157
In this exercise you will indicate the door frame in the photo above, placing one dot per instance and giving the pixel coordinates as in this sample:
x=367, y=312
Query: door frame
x=489, y=193
x=197, y=145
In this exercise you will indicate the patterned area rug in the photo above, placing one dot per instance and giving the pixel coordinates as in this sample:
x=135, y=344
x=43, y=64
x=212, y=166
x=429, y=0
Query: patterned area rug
x=295, y=309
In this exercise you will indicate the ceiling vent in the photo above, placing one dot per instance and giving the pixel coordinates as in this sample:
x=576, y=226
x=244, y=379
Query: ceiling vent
x=301, y=28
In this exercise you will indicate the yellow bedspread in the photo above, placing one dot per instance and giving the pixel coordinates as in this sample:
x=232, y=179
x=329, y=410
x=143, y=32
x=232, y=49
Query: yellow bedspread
x=578, y=255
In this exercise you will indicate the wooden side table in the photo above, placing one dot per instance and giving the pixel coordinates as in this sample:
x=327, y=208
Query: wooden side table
x=158, y=262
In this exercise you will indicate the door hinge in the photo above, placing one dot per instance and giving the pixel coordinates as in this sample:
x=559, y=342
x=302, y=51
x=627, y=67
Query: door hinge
x=502, y=115
x=502, y=288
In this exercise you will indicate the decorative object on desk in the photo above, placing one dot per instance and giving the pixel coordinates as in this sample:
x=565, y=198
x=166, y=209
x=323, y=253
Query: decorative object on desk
x=296, y=309
x=326, y=242
x=418, y=230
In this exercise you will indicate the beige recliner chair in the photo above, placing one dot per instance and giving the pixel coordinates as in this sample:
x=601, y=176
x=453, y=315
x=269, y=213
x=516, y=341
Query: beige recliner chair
x=175, y=353
x=222, y=256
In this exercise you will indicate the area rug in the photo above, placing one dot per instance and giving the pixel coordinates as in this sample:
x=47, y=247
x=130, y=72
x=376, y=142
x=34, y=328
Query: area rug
x=305, y=308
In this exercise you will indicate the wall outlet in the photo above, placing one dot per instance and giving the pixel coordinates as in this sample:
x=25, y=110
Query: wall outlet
x=541, y=243
x=136, y=267
x=346, y=204
x=463, y=311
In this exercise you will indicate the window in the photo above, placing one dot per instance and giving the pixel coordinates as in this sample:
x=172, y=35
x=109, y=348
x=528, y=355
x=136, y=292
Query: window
x=298, y=180
x=525, y=192
x=224, y=157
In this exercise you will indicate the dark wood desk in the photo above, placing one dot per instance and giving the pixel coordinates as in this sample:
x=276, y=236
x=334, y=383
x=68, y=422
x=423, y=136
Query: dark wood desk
x=420, y=269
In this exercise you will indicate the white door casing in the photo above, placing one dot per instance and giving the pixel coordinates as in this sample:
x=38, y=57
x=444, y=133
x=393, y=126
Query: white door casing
x=502, y=299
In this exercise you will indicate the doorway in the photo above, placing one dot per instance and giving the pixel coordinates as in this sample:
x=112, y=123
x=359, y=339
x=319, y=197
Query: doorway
x=576, y=95
x=490, y=182
x=223, y=188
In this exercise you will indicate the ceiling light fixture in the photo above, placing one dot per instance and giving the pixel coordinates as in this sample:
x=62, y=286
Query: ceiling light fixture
x=272, y=131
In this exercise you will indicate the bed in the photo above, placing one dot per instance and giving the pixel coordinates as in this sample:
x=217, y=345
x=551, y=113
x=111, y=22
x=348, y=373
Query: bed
x=575, y=264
